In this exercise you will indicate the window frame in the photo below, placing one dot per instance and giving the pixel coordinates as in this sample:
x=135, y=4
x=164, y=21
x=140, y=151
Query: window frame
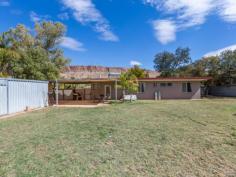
x=166, y=84
x=187, y=87
x=163, y=84
x=141, y=87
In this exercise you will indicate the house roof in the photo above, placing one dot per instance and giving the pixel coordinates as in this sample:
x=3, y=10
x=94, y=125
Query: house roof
x=176, y=79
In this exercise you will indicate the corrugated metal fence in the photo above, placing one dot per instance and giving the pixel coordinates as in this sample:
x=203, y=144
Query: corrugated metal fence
x=227, y=91
x=16, y=95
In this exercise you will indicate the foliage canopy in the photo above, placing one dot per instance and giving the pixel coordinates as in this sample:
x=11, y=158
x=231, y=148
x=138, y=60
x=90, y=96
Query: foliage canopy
x=27, y=56
x=129, y=79
x=138, y=72
x=221, y=68
x=167, y=63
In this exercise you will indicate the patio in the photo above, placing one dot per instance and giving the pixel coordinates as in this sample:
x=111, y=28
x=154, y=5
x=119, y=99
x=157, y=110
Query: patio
x=82, y=92
x=81, y=104
x=76, y=102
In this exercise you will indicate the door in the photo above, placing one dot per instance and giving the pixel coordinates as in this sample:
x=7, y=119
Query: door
x=107, y=92
x=3, y=97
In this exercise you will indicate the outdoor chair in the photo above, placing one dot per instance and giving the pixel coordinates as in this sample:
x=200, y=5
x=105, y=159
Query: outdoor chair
x=77, y=95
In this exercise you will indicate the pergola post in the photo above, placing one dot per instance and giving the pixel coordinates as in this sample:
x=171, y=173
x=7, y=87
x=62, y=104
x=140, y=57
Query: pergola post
x=116, y=90
x=56, y=92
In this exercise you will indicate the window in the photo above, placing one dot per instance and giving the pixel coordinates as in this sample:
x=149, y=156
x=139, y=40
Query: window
x=141, y=88
x=165, y=84
x=162, y=84
x=186, y=87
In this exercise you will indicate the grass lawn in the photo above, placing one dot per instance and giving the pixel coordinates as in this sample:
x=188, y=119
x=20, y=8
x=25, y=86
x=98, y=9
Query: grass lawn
x=166, y=138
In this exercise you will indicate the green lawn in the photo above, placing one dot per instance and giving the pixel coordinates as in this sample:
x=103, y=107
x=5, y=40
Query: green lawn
x=166, y=138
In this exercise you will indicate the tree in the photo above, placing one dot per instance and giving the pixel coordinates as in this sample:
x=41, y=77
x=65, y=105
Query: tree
x=129, y=82
x=163, y=63
x=25, y=56
x=138, y=72
x=167, y=63
x=221, y=68
x=8, y=60
x=228, y=66
x=49, y=34
x=185, y=71
x=207, y=66
x=17, y=39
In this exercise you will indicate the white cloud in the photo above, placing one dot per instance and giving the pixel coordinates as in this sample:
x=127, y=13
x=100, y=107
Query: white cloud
x=165, y=30
x=72, y=44
x=63, y=16
x=4, y=3
x=135, y=63
x=34, y=17
x=86, y=13
x=219, y=51
x=227, y=10
x=189, y=13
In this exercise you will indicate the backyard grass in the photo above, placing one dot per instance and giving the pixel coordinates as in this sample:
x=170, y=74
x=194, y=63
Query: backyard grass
x=166, y=138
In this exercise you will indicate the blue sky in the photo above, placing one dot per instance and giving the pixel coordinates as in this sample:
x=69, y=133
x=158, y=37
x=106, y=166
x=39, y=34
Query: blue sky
x=120, y=32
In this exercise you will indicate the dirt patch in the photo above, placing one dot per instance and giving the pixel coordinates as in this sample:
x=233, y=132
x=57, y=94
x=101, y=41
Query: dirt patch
x=83, y=106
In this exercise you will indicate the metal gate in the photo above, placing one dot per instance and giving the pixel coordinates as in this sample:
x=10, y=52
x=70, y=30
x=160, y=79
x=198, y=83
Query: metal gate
x=3, y=97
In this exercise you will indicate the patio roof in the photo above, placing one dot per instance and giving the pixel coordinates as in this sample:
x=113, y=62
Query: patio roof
x=158, y=79
x=76, y=81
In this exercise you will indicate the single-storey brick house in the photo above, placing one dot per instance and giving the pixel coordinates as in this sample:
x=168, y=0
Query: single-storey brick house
x=171, y=88
x=96, y=82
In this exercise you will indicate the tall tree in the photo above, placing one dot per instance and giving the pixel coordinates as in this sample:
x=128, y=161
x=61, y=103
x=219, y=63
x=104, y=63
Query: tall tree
x=185, y=71
x=8, y=60
x=18, y=39
x=25, y=56
x=167, y=63
x=49, y=34
x=207, y=66
x=228, y=66
x=221, y=68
